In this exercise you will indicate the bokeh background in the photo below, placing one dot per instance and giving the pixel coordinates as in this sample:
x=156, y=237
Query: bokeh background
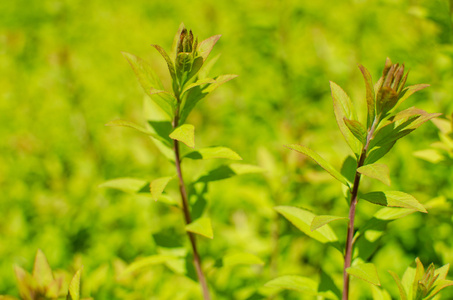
x=62, y=77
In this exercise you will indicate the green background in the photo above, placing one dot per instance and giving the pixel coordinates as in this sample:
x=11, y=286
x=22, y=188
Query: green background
x=63, y=77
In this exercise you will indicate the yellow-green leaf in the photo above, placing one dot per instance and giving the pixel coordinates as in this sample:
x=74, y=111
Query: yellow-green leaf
x=365, y=272
x=201, y=226
x=357, y=129
x=241, y=259
x=42, y=272
x=322, y=220
x=370, y=98
x=214, y=152
x=320, y=161
x=380, y=172
x=305, y=285
x=185, y=134
x=157, y=186
x=394, y=199
x=148, y=261
x=74, y=287
x=128, y=185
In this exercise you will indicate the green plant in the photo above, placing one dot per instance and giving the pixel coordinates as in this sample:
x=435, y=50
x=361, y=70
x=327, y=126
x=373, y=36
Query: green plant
x=168, y=129
x=369, y=142
x=43, y=284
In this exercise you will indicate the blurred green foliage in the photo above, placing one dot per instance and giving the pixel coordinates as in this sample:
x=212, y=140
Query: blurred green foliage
x=63, y=77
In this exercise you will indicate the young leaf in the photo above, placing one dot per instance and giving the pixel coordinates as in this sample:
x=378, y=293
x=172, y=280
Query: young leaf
x=365, y=272
x=42, y=272
x=26, y=284
x=201, y=226
x=241, y=169
x=184, y=133
x=394, y=199
x=214, y=152
x=146, y=262
x=370, y=96
x=390, y=213
x=379, y=294
x=320, y=161
x=343, y=108
x=305, y=285
x=74, y=287
x=378, y=152
x=157, y=186
x=408, y=91
x=128, y=185
x=198, y=83
x=167, y=58
x=377, y=171
x=320, y=221
x=205, y=47
x=138, y=128
x=241, y=259
x=356, y=129
x=302, y=219
x=401, y=290
x=149, y=81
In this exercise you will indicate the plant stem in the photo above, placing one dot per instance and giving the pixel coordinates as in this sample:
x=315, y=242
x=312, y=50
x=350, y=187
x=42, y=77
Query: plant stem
x=188, y=219
x=352, y=209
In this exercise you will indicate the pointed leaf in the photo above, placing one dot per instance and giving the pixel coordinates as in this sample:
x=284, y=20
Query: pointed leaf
x=201, y=226
x=305, y=285
x=228, y=171
x=139, y=128
x=343, y=108
x=214, y=152
x=147, y=262
x=128, y=185
x=390, y=213
x=157, y=186
x=205, y=47
x=379, y=294
x=74, y=287
x=440, y=285
x=394, y=199
x=377, y=171
x=241, y=259
x=198, y=83
x=365, y=272
x=25, y=283
x=378, y=152
x=150, y=82
x=196, y=93
x=302, y=219
x=357, y=129
x=431, y=155
x=401, y=290
x=370, y=98
x=320, y=161
x=322, y=220
x=184, y=133
x=410, y=90
x=167, y=58
x=41, y=270
x=241, y=169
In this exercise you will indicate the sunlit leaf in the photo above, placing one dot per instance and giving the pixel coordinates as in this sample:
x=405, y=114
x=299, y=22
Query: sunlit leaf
x=320, y=161
x=305, y=285
x=139, y=128
x=431, y=155
x=390, y=213
x=184, y=133
x=365, y=272
x=198, y=83
x=303, y=219
x=357, y=129
x=394, y=199
x=171, y=67
x=410, y=90
x=343, y=108
x=322, y=220
x=157, y=186
x=380, y=172
x=380, y=294
x=241, y=259
x=128, y=185
x=213, y=152
x=146, y=262
x=205, y=47
x=370, y=98
x=378, y=152
x=401, y=289
x=74, y=287
x=41, y=270
x=201, y=226
x=25, y=283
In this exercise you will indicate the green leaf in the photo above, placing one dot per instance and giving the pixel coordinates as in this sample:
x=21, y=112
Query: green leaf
x=320, y=161
x=241, y=259
x=138, y=128
x=201, y=226
x=390, y=213
x=213, y=152
x=147, y=262
x=394, y=199
x=378, y=152
x=377, y=171
x=227, y=171
x=195, y=94
x=25, y=283
x=401, y=290
x=150, y=82
x=42, y=272
x=157, y=186
x=365, y=272
x=410, y=90
x=205, y=47
x=343, y=108
x=357, y=130
x=380, y=294
x=370, y=96
x=198, y=83
x=439, y=285
x=431, y=155
x=184, y=133
x=128, y=185
x=305, y=285
x=74, y=287
x=302, y=219
x=241, y=169
x=322, y=220
x=167, y=58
